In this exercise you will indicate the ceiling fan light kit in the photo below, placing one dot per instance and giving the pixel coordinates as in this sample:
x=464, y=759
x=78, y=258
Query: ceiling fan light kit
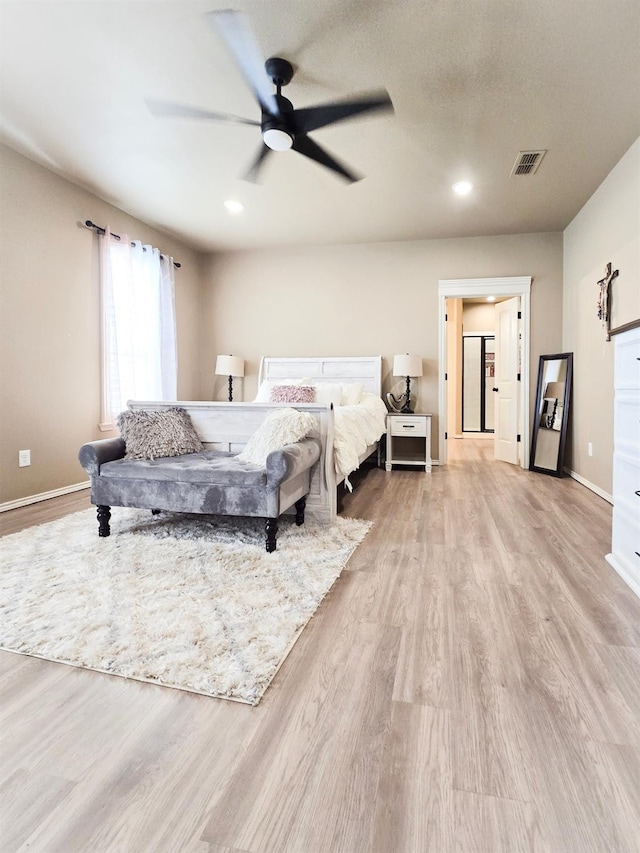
x=276, y=139
x=282, y=127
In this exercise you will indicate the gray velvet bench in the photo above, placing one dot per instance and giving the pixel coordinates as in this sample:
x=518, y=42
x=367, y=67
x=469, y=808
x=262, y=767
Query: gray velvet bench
x=212, y=482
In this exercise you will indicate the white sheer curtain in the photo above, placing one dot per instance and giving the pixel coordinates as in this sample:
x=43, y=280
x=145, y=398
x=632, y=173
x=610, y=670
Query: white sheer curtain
x=138, y=326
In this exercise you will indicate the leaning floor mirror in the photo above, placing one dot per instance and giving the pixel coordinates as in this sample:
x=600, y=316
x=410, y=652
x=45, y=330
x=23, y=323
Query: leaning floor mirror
x=551, y=413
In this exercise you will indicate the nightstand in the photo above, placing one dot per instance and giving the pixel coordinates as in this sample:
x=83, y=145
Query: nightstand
x=409, y=441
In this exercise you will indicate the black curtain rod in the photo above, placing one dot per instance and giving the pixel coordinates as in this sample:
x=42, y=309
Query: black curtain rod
x=100, y=230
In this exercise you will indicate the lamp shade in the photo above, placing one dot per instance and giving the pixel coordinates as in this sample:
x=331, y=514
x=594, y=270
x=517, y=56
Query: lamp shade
x=407, y=365
x=229, y=365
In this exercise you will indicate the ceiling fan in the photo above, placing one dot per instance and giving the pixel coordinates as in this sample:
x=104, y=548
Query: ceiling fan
x=282, y=126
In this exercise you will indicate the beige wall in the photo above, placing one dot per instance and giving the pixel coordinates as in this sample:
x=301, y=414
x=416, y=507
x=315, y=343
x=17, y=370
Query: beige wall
x=348, y=300
x=478, y=317
x=366, y=299
x=49, y=323
x=606, y=229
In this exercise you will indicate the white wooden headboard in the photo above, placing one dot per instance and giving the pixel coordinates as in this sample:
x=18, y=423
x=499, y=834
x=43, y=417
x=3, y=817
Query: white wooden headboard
x=367, y=370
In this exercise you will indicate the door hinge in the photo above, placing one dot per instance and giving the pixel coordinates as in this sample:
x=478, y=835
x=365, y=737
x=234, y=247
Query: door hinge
x=446, y=377
x=446, y=317
x=445, y=435
x=519, y=315
x=518, y=437
x=519, y=377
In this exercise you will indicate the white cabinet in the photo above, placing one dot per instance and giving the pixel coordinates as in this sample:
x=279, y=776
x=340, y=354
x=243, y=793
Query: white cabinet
x=625, y=537
x=409, y=441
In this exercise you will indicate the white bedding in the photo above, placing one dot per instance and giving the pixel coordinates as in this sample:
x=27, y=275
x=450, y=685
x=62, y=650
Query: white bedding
x=356, y=428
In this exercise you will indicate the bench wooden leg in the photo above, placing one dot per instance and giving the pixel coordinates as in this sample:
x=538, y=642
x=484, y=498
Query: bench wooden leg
x=300, y=505
x=271, y=530
x=104, y=514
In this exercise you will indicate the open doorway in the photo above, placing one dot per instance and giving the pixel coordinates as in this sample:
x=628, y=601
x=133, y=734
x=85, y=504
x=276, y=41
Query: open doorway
x=477, y=380
x=510, y=388
x=470, y=388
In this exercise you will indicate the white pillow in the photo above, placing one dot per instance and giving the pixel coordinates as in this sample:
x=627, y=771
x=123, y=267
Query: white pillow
x=264, y=392
x=280, y=427
x=327, y=393
x=351, y=394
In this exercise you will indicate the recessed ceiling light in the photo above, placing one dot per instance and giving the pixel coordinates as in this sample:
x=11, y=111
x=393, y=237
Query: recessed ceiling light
x=491, y=299
x=234, y=206
x=462, y=187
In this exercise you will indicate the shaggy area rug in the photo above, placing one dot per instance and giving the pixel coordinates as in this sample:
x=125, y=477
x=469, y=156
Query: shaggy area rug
x=185, y=601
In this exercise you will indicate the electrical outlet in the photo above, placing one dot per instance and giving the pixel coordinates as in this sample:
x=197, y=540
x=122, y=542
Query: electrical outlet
x=590, y=449
x=24, y=458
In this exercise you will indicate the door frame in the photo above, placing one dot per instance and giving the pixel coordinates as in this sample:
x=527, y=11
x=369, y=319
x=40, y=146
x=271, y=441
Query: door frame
x=459, y=288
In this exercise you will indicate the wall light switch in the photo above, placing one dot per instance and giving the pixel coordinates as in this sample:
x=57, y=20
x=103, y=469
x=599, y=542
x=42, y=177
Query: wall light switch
x=590, y=449
x=24, y=458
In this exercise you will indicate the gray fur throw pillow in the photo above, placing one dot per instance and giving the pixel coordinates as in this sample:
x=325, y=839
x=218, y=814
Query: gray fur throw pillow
x=150, y=435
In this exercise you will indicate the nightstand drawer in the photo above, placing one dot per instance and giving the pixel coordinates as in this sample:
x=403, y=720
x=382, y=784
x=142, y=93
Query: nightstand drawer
x=408, y=426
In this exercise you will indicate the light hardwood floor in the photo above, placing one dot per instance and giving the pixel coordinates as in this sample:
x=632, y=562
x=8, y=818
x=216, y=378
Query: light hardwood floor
x=471, y=683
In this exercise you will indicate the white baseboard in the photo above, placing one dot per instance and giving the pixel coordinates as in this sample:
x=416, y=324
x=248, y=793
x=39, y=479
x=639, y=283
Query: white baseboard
x=43, y=496
x=626, y=576
x=600, y=492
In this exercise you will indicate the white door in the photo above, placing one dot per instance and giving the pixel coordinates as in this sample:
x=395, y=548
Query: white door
x=505, y=388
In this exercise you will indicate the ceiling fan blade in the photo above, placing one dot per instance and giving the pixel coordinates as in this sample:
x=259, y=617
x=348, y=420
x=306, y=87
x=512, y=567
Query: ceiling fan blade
x=304, y=145
x=252, y=174
x=168, y=108
x=235, y=29
x=311, y=118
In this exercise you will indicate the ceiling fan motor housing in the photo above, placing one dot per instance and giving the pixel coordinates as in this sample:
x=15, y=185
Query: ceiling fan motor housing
x=276, y=132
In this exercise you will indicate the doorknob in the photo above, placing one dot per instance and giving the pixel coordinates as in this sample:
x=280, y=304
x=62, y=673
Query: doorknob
x=494, y=389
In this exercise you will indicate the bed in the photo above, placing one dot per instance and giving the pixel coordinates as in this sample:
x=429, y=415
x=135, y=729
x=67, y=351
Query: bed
x=358, y=420
x=348, y=434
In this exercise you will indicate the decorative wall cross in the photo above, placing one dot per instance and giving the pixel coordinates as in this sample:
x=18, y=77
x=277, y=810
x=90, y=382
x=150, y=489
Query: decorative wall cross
x=604, y=296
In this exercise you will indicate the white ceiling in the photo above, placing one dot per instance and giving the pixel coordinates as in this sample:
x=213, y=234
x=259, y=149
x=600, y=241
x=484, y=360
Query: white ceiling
x=473, y=83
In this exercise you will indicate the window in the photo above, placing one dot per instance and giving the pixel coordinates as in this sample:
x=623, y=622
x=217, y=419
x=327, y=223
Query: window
x=139, y=336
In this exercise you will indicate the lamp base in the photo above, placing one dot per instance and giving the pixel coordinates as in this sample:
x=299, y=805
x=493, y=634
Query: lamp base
x=231, y=389
x=406, y=409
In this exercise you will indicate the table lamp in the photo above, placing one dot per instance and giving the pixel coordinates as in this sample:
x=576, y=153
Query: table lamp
x=230, y=365
x=407, y=365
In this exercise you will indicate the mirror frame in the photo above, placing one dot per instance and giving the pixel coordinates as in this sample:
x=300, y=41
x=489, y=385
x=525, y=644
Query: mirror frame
x=557, y=472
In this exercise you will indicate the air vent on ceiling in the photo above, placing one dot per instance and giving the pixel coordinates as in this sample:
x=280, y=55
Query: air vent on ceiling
x=527, y=162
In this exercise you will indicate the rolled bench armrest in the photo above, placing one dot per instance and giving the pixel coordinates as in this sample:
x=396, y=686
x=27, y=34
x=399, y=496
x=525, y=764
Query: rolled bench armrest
x=96, y=453
x=290, y=460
